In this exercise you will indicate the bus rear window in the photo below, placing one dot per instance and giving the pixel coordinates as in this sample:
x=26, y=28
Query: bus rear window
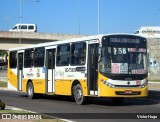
x=13, y=59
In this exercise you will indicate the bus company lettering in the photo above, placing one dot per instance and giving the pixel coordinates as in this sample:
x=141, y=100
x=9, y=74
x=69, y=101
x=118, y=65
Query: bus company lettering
x=61, y=73
x=70, y=69
x=30, y=73
x=38, y=73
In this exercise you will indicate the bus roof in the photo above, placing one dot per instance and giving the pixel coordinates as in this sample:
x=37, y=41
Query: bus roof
x=66, y=41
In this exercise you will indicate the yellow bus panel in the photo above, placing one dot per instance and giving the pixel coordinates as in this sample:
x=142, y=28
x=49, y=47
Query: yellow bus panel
x=12, y=78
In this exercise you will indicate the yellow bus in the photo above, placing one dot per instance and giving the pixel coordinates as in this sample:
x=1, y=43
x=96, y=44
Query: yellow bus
x=110, y=65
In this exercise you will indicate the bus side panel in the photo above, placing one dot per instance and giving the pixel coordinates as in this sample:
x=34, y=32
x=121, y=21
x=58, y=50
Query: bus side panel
x=39, y=85
x=12, y=79
x=37, y=77
x=25, y=81
x=84, y=87
x=63, y=87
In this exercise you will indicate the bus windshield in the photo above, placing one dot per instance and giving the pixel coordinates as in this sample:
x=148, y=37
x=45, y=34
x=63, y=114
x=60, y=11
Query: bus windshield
x=123, y=59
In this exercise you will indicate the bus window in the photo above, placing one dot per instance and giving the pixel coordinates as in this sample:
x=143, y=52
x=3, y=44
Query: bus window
x=78, y=53
x=13, y=59
x=137, y=61
x=63, y=55
x=28, y=58
x=39, y=57
x=119, y=55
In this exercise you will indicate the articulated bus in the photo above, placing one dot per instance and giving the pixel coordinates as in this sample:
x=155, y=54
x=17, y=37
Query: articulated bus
x=111, y=65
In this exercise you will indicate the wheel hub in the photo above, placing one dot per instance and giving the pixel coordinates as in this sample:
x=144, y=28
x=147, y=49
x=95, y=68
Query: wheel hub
x=79, y=94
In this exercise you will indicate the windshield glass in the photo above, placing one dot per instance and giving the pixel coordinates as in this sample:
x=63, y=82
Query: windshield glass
x=122, y=60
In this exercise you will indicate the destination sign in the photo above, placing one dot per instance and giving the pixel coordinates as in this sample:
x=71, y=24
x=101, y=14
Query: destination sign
x=123, y=40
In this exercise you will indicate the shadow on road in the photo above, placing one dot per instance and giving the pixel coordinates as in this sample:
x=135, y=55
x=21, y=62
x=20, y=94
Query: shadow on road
x=153, y=98
x=154, y=95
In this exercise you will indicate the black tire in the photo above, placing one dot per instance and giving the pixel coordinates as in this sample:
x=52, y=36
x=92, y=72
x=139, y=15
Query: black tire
x=72, y=95
x=117, y=100
x=78, y=95
x=2, y=105
x=30, y=91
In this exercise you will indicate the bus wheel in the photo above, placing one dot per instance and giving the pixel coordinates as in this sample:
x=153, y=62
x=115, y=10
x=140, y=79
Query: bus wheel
x=117, y=100
x=30, y=90
x=78, y=94
x=2, y=105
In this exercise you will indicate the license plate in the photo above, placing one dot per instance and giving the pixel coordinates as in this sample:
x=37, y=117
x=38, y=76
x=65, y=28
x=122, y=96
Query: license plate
x=128, y=91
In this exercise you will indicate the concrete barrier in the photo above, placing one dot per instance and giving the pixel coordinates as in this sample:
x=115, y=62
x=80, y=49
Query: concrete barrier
x=154, y=58
x=3, y=76
x=4, y=79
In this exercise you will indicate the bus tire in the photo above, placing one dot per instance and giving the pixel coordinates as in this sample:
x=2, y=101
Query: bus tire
x=117, y=100
x=30, y=90
x=2, y=105
x=78, y=95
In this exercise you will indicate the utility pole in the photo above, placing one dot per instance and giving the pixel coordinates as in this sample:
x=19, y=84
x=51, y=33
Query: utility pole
x=79, y=22
x=20, y=20
x=98, y=16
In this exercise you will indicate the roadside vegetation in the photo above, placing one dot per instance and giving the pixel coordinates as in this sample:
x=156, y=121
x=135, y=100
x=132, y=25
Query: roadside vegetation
x=154, y=80
x=3, y=84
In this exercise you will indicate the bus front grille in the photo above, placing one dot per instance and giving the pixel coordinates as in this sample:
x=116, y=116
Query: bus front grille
x=127, y=86
x=124, y=93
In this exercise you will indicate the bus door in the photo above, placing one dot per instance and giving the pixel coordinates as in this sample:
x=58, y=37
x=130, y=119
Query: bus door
x=20, y=69
x=92, y=68
x=50, y=70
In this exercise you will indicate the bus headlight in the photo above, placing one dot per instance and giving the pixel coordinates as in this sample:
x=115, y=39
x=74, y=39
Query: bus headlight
x=144, y=84
x=107, y=83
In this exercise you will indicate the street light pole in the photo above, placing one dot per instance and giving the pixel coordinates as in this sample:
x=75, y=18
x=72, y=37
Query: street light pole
x=79, y=17
x=6, y=22
x=98, y=16
x=6, y=19
x=20, y=20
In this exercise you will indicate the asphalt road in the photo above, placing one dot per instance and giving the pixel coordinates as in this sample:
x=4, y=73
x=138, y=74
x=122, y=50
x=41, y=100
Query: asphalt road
x=60, y=104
